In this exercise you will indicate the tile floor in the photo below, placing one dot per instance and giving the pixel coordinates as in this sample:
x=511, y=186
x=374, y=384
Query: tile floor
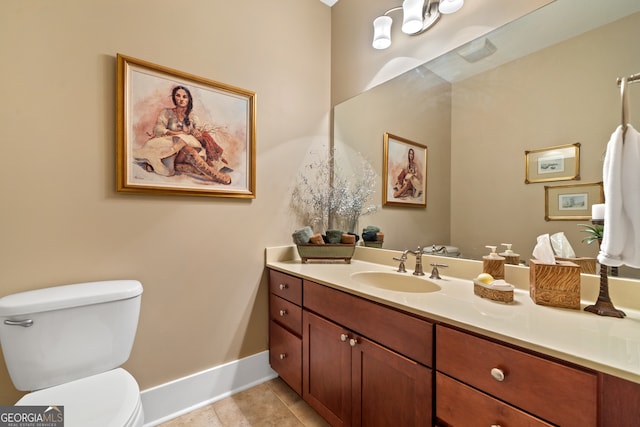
x=272, y=403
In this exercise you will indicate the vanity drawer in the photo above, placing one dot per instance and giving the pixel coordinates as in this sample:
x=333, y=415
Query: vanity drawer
x=404, y=333
x=286, y=313
x=285, y=286
x=460, y=405
x=285, y=355
x=555, y=392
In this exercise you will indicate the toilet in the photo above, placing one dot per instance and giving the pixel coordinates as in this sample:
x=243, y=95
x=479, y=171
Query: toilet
x=65, y=345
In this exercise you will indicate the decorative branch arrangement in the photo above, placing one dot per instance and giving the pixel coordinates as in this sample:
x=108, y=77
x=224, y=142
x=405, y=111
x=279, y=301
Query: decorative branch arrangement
x=325, y=193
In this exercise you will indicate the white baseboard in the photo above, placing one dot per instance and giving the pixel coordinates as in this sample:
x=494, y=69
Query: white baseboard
x=178, y=397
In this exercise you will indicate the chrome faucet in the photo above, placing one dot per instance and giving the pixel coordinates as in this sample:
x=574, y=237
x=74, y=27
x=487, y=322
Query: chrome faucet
x=402, y=259
x=418, y=271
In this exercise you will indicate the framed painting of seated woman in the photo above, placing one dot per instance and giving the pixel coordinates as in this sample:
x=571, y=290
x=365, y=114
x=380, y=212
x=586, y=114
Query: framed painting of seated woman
x=404, y=172
x=182, y=134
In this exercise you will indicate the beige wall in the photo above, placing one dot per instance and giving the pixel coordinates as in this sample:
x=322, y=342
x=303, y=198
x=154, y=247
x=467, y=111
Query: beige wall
x=200, y=260
x=541, y=100
x=356, y=66
x=403, y=108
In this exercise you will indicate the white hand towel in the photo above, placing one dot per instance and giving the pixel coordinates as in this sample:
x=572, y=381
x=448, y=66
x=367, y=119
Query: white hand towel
x=621, y=175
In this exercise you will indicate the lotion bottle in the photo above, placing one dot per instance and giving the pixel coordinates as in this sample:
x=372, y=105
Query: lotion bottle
x=510, y=256
x=493, y=264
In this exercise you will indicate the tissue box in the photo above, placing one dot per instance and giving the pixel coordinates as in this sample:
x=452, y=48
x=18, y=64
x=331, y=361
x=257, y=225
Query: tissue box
x=587, y=265
x=556, y=285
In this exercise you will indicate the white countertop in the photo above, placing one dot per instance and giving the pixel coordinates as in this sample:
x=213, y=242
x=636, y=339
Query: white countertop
x=603, y=343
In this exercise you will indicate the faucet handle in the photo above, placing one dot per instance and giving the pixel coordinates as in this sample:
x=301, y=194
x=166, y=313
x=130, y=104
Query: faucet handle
x=402, y=259
x=435, y=274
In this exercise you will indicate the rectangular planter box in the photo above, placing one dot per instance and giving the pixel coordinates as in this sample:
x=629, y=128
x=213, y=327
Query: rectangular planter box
x=327, y=252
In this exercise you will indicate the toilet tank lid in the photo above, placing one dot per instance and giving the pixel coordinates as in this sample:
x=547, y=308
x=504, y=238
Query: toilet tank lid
x=65, y=296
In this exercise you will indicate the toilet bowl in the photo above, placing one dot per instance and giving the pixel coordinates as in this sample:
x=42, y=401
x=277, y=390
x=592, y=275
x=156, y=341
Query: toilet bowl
x=65, y=344
x=109, y=399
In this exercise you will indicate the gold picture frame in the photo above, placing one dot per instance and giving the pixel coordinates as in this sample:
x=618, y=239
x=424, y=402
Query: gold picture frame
x=404, y=172
x=559, y=163
x=572, y=202
x=180, y=134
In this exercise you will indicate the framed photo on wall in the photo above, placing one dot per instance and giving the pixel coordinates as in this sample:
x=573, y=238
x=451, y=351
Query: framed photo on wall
x=179, y=134
x=572, y=202
x=560, y=163
x=404, y=172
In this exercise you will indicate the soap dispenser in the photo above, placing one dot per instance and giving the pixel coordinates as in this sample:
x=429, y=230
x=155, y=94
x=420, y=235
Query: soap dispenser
x=510, y=257
x=493, y=264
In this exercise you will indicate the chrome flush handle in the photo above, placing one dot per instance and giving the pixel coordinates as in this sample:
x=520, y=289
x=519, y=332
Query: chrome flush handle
x=24, y=323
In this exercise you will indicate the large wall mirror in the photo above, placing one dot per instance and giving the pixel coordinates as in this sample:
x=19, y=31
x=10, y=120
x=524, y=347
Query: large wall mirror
x=547, y=79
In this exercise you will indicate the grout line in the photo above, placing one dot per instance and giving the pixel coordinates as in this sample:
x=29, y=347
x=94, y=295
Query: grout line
x=270, y=384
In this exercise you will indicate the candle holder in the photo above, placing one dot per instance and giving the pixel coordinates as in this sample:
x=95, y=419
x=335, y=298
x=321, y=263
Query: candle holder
x=603, y=305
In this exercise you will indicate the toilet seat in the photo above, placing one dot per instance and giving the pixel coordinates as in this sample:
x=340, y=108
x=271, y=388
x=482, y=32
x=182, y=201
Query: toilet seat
x=109, y=399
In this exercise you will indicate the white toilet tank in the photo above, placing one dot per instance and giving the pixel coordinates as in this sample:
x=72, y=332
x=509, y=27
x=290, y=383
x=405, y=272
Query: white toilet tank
x=55, y=335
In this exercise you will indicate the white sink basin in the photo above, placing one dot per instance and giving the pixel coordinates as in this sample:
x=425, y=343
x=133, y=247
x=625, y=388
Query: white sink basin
x=399, y=282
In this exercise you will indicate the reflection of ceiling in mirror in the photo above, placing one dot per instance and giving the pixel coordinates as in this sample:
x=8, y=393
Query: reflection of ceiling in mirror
x=559, y=21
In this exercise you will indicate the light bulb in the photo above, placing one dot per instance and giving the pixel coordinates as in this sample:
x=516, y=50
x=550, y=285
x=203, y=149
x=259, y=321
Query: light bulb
x=450, y=6
x=382, y=32
x=412, y=16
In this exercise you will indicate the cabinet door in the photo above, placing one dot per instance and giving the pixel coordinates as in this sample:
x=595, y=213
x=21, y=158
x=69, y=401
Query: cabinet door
x=388, y=389
x=326, y=366
x=285, y=355
x=619, y=402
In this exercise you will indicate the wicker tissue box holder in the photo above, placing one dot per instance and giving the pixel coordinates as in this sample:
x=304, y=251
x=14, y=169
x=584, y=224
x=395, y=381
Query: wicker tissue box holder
x=555, y=285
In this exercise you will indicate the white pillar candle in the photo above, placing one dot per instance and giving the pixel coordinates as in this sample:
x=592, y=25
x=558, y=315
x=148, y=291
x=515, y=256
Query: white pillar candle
x=597, y=211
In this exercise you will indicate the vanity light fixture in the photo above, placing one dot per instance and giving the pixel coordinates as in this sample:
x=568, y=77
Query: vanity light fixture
x=418, y=17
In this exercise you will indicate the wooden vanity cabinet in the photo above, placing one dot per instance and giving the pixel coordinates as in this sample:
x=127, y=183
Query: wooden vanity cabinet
x=285, y=328
x=360, y=363
x=509, y=383
x=355, y=369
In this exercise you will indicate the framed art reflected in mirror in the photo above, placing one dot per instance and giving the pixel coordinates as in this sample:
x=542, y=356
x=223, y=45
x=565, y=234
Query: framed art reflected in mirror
x=404, y=172
x=572, y=202
x=559, y=163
